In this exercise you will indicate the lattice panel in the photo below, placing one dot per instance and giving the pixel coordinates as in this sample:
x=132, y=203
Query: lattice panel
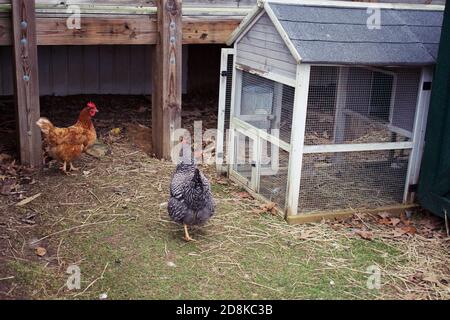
x=273, y=173
x=336, y=181
x=244, y=155
x=360, y=105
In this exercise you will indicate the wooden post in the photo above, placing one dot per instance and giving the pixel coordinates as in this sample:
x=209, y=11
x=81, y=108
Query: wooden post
x=297, y=138
x=167, y=62
x=26, y=81
x=418, y=134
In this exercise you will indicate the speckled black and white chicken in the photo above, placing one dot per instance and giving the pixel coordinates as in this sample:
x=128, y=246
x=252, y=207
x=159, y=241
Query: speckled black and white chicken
x=191, y=201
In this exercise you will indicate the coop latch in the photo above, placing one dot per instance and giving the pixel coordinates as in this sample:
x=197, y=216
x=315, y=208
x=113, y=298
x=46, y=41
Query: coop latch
x=224, y=73
x=412, y=188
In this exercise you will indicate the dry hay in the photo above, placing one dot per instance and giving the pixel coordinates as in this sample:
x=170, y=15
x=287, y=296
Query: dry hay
x=421, y=271
x=320, y=129
x=140, y=136
x=117, y=190
x=128, y=186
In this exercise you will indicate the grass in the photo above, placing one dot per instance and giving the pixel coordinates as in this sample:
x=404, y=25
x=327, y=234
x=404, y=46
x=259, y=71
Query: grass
x=126, y=246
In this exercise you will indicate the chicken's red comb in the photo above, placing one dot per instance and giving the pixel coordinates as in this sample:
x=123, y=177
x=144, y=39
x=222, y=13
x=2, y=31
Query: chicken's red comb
x=91, y=105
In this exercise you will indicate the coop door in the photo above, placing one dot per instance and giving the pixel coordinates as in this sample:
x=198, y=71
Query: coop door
x=223, y=118
x=245, y=158
x=257, y=101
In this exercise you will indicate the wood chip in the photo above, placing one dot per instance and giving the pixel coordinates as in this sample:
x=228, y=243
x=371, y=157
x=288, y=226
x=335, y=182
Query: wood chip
x=40, y=251
x=28, y=200
x=367, y=235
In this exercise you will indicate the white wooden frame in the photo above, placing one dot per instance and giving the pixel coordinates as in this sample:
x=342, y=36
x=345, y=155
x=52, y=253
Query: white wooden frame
x=235, y=96
x=341, y=97
x=238, y=123
x=268, y=75
x=256, y=134
x=253, y=183
x=220, y=152
x=297, y=138
x=357, y=147
x=418, y=138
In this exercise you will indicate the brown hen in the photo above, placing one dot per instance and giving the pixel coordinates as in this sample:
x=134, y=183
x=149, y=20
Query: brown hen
x=67, y=144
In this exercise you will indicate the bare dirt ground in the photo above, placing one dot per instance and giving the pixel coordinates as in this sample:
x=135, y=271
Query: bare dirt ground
x=110, y=220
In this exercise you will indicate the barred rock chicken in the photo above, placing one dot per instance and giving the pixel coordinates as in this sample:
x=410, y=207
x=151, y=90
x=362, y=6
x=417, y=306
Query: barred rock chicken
x=67, y=144
x=191, y=201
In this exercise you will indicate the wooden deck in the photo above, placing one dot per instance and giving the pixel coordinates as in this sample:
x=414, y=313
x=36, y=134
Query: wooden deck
x=126, y=21
x=165, y=25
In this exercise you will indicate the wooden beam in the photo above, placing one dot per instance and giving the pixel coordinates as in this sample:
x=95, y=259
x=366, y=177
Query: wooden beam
x=202, y=31
x=167, y=84
x=330, y=215
x=120, y=29
x=26, y=81
x=98, y=31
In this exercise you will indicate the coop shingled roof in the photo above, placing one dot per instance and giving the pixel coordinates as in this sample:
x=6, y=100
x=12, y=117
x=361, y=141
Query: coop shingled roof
x=341, y=35
x=328, y=33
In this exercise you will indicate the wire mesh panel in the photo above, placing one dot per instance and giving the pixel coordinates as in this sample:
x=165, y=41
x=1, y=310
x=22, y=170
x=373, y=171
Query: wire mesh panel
x=357, y=105
x=360, y=105
x=266, y=105
x=244, y=157
x=273, y=173
x=368, y=179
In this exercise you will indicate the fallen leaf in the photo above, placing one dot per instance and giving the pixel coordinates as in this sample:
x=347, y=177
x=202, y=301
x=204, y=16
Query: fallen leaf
x=367, y=235
x=395, y=221
x=398, y=232
x=244, y=195
x=409, y=229
x=41, y=251
x=306, y=234
x=405, y=219
x=384, y=215
x=269, y=207
x=384, y=221
x=222, y=182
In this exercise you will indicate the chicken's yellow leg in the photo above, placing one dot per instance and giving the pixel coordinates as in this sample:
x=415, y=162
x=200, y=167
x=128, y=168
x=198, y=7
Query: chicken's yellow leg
x=186, y=234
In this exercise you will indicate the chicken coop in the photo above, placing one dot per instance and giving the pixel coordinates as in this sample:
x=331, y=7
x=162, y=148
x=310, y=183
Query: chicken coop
x=323, y=111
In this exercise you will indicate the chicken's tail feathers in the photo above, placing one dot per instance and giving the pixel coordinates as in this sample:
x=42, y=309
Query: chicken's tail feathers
x=45, y=125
